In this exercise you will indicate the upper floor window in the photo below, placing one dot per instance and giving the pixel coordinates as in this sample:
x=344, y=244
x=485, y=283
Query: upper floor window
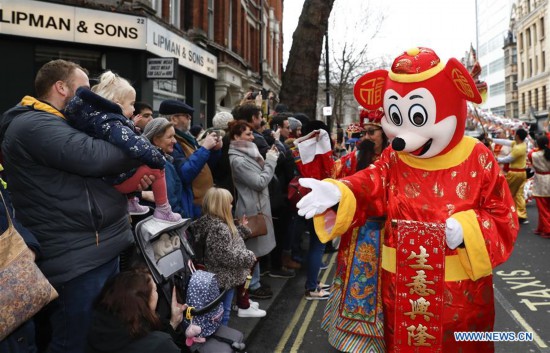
x=543, y=105
x=496, y=65
x=157, y=6
x=520, y=41
x=230, y=27
x=211, y=19
x=175, y=11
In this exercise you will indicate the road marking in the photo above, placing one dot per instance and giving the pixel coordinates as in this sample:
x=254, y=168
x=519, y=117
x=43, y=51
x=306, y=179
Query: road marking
x=307, y=320
x=528, y=328
x=286, y=335
x=520, y=320
x=297, y=314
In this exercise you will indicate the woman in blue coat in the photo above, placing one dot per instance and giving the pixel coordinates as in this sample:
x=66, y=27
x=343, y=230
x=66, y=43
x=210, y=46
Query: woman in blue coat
x=161, y=133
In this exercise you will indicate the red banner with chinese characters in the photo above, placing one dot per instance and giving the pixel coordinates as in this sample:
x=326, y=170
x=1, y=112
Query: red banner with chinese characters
x=420, y=279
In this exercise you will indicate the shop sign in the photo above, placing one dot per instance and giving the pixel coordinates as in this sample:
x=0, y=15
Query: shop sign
x=165, y=43
x=40, y=19
x=161, y=68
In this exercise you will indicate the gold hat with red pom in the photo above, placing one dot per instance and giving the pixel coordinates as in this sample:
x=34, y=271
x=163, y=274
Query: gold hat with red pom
x=416, y=65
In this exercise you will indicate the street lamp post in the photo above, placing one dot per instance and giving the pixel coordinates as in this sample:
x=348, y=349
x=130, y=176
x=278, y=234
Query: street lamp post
x=327, y=81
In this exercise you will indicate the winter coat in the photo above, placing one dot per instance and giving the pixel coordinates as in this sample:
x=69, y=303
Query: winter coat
x=108, y=335
x=174, y=187
x=222, y=171
x=253, y=195
x=55, y=175
x=261, y=142
x=190, y=166
x=101, y=118
x=225, y=255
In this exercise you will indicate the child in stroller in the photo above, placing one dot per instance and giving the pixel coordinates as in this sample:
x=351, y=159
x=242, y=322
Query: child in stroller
x=169, y=256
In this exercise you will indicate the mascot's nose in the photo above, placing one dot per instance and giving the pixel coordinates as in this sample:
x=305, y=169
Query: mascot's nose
x=398, y=144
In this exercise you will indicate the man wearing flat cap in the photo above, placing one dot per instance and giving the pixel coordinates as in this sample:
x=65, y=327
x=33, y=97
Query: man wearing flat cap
x=191, y=160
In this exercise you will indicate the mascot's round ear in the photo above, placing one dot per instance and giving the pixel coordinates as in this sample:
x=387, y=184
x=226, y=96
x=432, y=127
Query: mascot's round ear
x=369, y=89
x=462, y=81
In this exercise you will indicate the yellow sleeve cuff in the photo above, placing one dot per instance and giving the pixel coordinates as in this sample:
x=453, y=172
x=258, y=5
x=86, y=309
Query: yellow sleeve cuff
x=474, y=257
x=330, y=225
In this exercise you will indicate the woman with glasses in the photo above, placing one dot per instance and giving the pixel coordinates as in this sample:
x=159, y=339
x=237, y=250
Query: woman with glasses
x=353, y=315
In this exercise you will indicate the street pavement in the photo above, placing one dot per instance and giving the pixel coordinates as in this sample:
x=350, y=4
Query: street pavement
x=522, y=304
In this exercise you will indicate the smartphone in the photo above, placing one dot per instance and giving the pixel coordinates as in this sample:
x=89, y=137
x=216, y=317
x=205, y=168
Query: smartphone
x=253, y=95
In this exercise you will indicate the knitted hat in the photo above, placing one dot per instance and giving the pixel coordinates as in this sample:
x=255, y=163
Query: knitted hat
x=221, y=120
x=154, y=127
x=170, y=107
x=294, y=123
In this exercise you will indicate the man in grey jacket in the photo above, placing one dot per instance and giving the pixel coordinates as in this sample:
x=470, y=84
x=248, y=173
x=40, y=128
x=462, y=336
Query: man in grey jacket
x=55, y=175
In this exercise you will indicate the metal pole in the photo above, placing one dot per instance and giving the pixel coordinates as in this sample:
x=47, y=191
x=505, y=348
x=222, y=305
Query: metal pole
x=327, y=79
x=477, y=29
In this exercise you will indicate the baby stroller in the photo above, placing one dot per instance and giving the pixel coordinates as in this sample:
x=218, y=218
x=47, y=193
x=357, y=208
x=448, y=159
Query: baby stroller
x=169, y=256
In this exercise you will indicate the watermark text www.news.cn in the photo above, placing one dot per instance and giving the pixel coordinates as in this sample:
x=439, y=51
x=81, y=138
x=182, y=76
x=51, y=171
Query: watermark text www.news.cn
x=502, y=336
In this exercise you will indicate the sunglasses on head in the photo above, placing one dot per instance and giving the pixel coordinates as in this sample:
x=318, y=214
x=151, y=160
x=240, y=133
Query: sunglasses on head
x=371, y=132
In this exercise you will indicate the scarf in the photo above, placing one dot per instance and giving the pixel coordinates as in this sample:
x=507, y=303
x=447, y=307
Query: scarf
x=39, y=105
x=250, y=149
x=186, y=135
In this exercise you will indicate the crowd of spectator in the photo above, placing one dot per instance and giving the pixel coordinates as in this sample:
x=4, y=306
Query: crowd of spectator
x=79, y=160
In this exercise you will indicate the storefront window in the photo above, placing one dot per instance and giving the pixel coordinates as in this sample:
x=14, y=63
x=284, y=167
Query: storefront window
x=204, y=101
x=90, y=60
x=168, y=89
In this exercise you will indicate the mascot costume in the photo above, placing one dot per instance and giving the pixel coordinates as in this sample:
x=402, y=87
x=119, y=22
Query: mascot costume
x=450, y=216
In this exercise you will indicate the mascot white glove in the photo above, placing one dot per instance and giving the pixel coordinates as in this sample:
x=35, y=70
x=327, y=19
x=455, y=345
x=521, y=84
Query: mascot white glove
x=453, y=233
x=322, y=196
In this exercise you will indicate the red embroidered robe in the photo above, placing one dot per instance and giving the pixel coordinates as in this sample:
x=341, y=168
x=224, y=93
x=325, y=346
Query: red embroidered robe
x=466, y=184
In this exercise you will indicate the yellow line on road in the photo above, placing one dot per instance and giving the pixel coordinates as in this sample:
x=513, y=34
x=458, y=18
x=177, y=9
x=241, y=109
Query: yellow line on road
x=305, y=324
x=528, y=328
x=297, y=314
x=289, y=328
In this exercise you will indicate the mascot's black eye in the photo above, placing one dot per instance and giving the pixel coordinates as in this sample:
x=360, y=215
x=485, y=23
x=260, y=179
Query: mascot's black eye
x=395, y=115
x=418, y=115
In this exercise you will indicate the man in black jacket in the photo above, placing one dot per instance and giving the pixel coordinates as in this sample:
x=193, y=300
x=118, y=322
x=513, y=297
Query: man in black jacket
x=55, y=176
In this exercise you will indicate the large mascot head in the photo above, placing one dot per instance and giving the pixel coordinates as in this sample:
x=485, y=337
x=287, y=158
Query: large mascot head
x=424, y=101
